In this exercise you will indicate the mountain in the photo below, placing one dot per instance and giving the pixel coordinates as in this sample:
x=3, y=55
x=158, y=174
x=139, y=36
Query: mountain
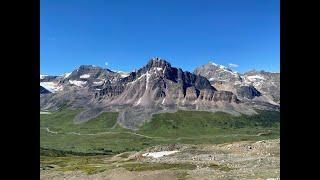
x=218, y=73
x=157, y=87
x=159, y=83
x=268, y=83
x=259, y=86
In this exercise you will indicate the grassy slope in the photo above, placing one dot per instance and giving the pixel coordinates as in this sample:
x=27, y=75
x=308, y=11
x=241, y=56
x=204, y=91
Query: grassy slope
x=207, y=127
x=181, y=127
x=62, y=121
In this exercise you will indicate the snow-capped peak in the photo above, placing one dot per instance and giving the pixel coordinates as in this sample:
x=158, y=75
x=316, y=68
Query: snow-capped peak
x=255, y=78
x=218, y=65
x=214, y=64
x=224, y=68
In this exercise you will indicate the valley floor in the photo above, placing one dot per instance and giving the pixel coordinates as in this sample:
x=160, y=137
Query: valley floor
x=238, y=160
x=196, y=145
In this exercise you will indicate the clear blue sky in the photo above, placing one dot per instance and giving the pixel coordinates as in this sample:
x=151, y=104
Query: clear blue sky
x=188, y=33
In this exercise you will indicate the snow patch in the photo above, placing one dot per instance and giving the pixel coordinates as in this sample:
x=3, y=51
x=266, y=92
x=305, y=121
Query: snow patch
x=66, y=75
x=78, y=83
x=229, y=71
x=51, y=86
x=223, y=67
x=137, y=79
x=159, y=154
x=98, y=83
x=147, y=83
x=139, y=101
x=124, y=75
x=163, y=100
x=218, y=65
x=164, y=70
x=45, y=112
x=117, y=71
x=255, y=78
x=85, y=76
x=214, y=64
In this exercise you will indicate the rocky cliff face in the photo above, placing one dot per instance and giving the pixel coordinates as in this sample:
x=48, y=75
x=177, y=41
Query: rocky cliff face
x=248, y=92
x=160, y=83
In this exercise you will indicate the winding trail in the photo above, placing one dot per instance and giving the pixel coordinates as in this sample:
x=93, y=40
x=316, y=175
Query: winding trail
x=97, y=134
x=141, y=135
x=48, y=130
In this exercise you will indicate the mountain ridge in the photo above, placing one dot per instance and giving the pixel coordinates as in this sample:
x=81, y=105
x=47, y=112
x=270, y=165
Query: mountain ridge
x=154, y=88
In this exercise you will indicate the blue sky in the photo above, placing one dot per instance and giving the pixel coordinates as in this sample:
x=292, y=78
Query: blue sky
x=125, y=34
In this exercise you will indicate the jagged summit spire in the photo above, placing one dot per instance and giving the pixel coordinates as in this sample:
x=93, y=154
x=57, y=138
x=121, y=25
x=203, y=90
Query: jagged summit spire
x=84, y=66
x=158, y=62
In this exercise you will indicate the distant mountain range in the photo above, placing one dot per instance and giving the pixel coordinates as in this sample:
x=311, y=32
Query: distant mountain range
x=250, y=85
x=158, y=87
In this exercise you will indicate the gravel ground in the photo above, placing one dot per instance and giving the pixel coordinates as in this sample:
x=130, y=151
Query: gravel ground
x=240, y=160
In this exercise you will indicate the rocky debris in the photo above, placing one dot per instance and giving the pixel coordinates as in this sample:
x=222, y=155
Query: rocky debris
x=169, y=147
x=260, y=159
x=238, y=160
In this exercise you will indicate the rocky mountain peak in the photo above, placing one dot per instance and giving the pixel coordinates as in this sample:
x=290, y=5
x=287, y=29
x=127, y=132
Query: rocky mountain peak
x=91, y=69
x=157, y=62
x=86, y=67
x=216, y=67
x=212, y=64
x=217, y=73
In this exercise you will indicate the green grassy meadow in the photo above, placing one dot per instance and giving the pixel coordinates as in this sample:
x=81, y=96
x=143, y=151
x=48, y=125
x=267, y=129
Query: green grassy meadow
x=188, y=127
x=88, y=145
